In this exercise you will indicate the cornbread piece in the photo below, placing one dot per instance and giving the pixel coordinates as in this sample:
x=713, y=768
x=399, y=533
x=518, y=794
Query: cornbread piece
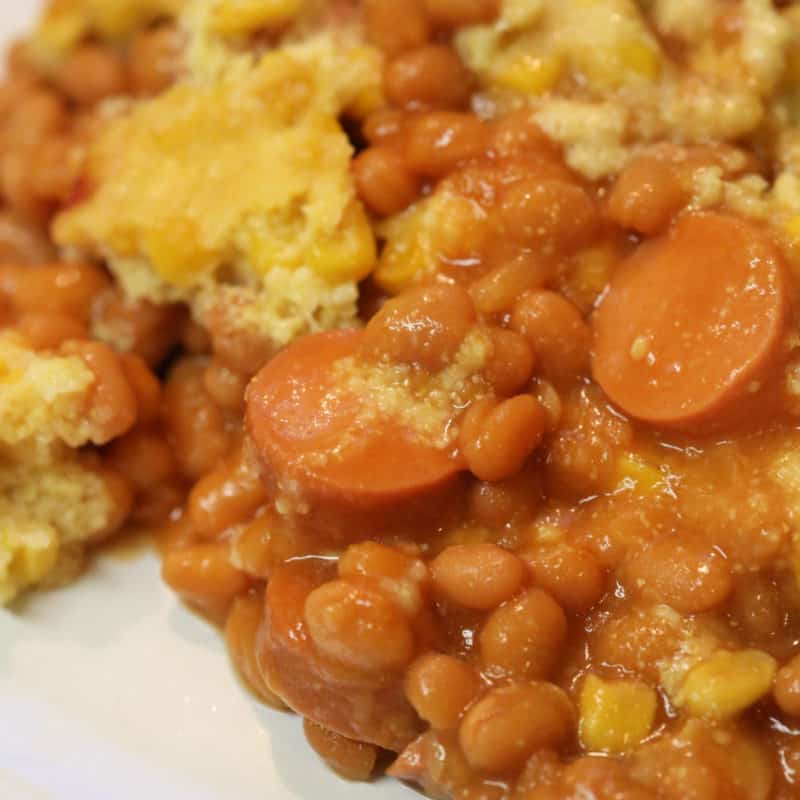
x=52, y=499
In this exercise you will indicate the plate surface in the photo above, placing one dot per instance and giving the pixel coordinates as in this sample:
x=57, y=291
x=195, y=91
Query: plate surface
x=111, y=689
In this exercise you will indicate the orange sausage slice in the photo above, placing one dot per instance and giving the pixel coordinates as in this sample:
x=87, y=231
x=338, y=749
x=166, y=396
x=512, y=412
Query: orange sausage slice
x=692, y=323
x=370, y=709
x=316, y=448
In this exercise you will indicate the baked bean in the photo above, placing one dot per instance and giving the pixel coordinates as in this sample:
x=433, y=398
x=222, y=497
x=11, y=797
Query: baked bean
x=7, y=315
x=203, y=575
x=546, y=394
x=584, y=451
x=553, y=214
x=424, y=326
x=455, y=13
x=511, y=364
x=112, y=403
x=478, y=576
x=23, y=242
x=358, y=627
x=136, y=326
x=507, y=725
x=437, y=142
x=226, y=496
x=353, y=760
x=384, y=126
x=224, y=385
x=757, y=606
x=241, y=633
x=401, y=576
x=18, y=61
x=500, y=503
x=395, y=27
x=431, y=76
x=684, y=573
x=244, y=350
x=144, y=458
x=176, y=533
x=158, y=503
x=91, y=73
x=497, y=438
x=525, y=637
x=48, y=331
x=36, y=114
x=194, y=338
x=154, y=59
x=595, y=776
x=646, y=195
x=501, y=287
x=194, y=424
x=262, y=545
x=62, y=288
x=556, y=332
x=572, y=575
x=787, y=687
x=383, y=180
x=55, y=169
x=440, y=687
x=145, y=385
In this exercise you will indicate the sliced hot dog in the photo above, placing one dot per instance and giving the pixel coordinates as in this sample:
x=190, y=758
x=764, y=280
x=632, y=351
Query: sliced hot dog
x=692, y=324
x=323, y=450
x=367, y=708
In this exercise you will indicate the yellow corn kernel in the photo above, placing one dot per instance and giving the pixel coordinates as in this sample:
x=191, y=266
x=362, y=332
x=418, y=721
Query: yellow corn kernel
x=406, y=255
x=629, y=62
x=615, y=716
x=401, y=266
x=350, y=254
x=641, y=58
x=635, y=473
x=239, y=17
x=727, y=683
x=792, y=227
x=35, y=560
x=530, y=74
x=27, y=554
x=589, y=273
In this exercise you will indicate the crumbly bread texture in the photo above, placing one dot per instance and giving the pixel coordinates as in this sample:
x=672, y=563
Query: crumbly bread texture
x=51, y=500
x=237, y=180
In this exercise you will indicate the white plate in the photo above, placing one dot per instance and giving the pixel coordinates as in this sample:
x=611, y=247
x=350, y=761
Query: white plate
x=111, y=689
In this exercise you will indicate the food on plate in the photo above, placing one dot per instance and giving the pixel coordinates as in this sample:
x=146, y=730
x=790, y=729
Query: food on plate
x=450, y=347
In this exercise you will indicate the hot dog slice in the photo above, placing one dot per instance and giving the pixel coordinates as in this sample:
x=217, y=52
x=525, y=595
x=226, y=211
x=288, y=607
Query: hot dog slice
x=692, y=323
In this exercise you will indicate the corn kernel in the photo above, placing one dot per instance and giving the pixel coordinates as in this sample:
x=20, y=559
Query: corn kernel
x=405, y=257
x=630, y=61
x=792, y=227
x=615, y=716
x=349, y=255
x=400, y=266
x=589, y=273
x=635, y=473
x=641, y=58
x=530, y=74
x=27, y=555
x=239, y=17
x=727, y=683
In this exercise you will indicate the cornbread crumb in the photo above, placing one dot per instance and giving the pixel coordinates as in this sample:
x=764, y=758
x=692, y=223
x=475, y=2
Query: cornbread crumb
x=419, y=401
x=293, y=209
x=43, y=398
x=48, y=497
